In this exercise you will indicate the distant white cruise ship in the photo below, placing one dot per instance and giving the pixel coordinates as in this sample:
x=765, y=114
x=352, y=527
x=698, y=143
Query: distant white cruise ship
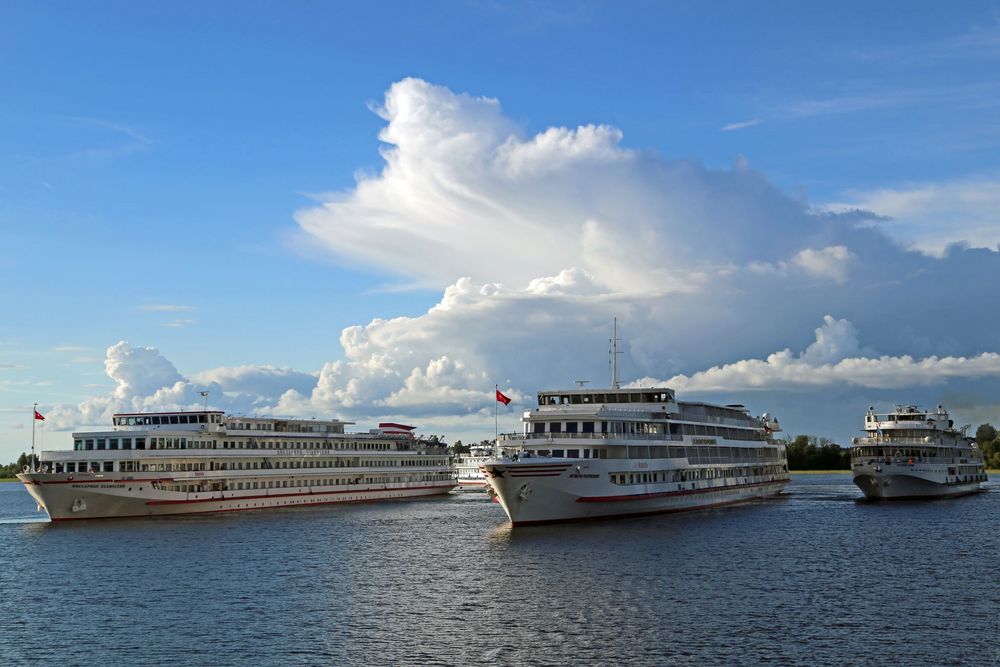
x=205, y=461
x=469, y=475
x=588, y=454
x=914, y=453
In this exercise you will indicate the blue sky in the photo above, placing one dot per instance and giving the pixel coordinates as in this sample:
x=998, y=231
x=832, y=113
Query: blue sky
x=263, y=198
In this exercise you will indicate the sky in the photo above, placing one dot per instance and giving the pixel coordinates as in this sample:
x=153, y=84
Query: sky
x=379, y=211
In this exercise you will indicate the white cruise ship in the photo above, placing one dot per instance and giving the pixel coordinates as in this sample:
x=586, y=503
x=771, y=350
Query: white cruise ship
x=469, y=474
x=195, y=462
x=588, y=454
x=914, y=453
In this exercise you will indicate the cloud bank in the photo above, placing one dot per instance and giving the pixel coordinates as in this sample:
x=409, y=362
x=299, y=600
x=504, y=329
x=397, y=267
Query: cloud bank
x=536, y=240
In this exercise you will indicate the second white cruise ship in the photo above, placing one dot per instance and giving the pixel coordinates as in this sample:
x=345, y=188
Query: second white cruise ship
x=204, y=461
x=588, y=454
x=914, y=453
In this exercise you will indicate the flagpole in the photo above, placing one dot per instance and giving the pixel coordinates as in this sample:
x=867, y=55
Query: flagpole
x=34, y=411
x=496, y=422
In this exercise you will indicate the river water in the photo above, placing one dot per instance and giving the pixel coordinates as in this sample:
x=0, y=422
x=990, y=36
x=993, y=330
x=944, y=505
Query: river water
x=817, y=577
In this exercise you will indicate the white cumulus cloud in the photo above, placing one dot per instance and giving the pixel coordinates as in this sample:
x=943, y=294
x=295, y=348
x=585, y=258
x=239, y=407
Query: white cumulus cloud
x=829, y=361
x=932, y=216
x=536, y=240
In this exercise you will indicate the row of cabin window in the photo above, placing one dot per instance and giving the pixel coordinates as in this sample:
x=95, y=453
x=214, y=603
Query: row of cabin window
x=649, y=428
x=302, y=484
x=595, y=453
x=88, y=444
x=695, y=455
x=689, y=474
x=277, y=444
x=286, y=428
x=136, y=466
x=588, y=399
x=166, y=420
x=865, y=451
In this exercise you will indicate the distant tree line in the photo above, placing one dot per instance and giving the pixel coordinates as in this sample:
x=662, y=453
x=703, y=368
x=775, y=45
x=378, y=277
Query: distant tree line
x=807, y=452
x=989, y=441
x=12, y=469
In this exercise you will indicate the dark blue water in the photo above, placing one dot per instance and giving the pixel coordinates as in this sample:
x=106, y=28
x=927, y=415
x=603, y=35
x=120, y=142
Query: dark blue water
x=814, y=578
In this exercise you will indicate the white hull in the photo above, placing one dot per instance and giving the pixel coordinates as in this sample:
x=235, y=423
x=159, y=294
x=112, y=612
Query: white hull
x=901, y=485
x=113, y=498
x=477, y=484
x=535, y=492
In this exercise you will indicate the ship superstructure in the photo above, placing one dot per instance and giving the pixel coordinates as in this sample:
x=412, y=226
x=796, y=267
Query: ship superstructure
x=915, y=453
x=189, y=462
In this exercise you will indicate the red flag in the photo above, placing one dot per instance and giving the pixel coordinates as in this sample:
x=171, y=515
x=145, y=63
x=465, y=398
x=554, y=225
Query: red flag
x=38, y=415
x=503, y=399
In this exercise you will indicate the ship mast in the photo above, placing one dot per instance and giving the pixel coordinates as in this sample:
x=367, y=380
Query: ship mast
x=613, y=352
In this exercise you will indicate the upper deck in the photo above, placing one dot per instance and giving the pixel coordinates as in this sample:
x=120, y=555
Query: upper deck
x=215, y=420
x=656, y=404
x=909, y=418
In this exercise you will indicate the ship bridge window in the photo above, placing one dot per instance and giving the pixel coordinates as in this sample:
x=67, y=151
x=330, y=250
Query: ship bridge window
x=588, y=427
x=78, y=444
x=571, y=427
x=140, y=443
x=558, y=453
x=555, y=427
x=572, y=453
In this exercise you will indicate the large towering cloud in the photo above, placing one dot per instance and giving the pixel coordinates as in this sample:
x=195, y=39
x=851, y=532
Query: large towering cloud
x=537, y=240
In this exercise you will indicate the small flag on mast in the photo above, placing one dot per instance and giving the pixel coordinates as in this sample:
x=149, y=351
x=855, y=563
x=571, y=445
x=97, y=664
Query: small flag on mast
x=503, y=399
x=39, y=415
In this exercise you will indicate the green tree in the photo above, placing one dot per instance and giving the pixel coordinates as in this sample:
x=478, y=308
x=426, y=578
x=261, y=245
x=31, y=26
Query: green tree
x=985, y=433
x=807, y=452
x=459, y=448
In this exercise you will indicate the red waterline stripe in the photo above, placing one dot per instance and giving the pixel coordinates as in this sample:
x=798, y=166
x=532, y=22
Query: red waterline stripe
x=683, y=492
x=536, y=474
x=517, y=468
x=291, y=495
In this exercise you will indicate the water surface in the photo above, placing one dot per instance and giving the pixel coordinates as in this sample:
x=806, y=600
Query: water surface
x=815, y=577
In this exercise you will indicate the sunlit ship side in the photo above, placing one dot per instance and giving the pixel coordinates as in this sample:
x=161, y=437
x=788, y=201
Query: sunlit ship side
x=196, y=462
x=914, y=453
x=588, y=454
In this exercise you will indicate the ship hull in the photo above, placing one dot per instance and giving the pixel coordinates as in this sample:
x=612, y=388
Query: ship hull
x=76, y=500
x=472, y=484
x=903, y=487
x=536, y=494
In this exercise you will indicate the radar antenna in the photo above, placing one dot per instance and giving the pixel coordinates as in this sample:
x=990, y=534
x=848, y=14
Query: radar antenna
x=580, y=383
